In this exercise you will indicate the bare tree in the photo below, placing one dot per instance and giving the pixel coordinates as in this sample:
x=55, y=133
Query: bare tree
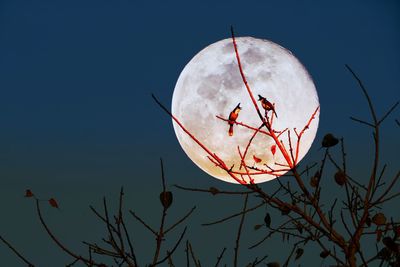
x=308, y=220
x=117, y=246
x=341, y=228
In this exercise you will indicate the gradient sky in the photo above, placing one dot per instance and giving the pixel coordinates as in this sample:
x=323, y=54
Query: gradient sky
x=77, y=119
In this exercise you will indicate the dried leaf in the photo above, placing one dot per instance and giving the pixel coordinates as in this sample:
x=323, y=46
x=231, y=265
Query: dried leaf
x=379, y=219
x=256, y=160
x=324, y=254
x=257, y=226
x=267, y=220
x=273, y=149
x=213, y=190
x=329, y=140
x=166, y=199
x=53, y=203
x=340, y=177
x=28, y=193
x=299, y=253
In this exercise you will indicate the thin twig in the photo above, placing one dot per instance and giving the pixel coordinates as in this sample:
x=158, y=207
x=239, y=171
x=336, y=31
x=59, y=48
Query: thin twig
x=169, y=254
x=143, y=222
x=234, y=215
x=220, y=257
x=213, y=191
x=195, y=260
x=19, y=255
x=179, y=221
x=59, y=244
x=239, y=232
x=388, y=112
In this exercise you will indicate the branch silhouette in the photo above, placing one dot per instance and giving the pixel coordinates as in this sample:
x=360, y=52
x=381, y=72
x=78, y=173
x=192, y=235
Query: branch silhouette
x=297, y=211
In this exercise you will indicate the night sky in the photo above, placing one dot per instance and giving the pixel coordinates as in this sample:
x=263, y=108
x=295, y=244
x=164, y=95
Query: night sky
x=77, y=120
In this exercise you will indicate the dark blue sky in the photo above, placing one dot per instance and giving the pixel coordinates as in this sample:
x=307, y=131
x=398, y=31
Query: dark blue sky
x=77, y=120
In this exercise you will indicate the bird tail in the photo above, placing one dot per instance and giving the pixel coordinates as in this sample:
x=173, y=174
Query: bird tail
x=230, y=132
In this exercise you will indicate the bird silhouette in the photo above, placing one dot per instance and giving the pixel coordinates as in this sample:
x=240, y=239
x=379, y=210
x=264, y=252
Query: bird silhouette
x=232, y=118
x=267, y=106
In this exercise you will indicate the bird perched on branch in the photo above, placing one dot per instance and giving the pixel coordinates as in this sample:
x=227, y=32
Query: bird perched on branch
x=232, y=118
x=267, y=106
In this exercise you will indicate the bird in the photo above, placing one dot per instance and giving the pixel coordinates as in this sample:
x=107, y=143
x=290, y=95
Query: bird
x=232, y=118
x=266, y=105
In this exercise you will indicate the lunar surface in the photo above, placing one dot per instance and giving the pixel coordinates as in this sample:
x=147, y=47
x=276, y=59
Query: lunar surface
x=210, y=85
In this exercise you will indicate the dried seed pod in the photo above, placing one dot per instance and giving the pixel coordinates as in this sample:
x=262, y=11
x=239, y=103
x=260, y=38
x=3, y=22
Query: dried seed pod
x=257, y=226
x=213, y=190
x=267, y=220
x=379, y=219
x=28, y=193
x=329, y=140
x=256, y=159
x=314, y=181
x=53, y=203
x=166, y=199
x=340, y=177
x=273, y=149
x=285, y=210
x=324, y=254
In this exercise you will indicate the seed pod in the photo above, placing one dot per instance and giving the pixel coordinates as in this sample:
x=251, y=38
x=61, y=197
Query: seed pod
x=273, y=264
x=53, y=203
x=257, y=226
x=329, y=140
x=256, y=159
x=28, y=193
x=340, y=178
x=213, y=190
x=285, y=210
x=166, y=199
x=379, y=219
x=267, y=220
x=273, y=149
x=324, y=254
x=314, y=181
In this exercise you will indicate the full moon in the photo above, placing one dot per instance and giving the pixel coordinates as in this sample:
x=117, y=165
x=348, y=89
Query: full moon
x=210, y=85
